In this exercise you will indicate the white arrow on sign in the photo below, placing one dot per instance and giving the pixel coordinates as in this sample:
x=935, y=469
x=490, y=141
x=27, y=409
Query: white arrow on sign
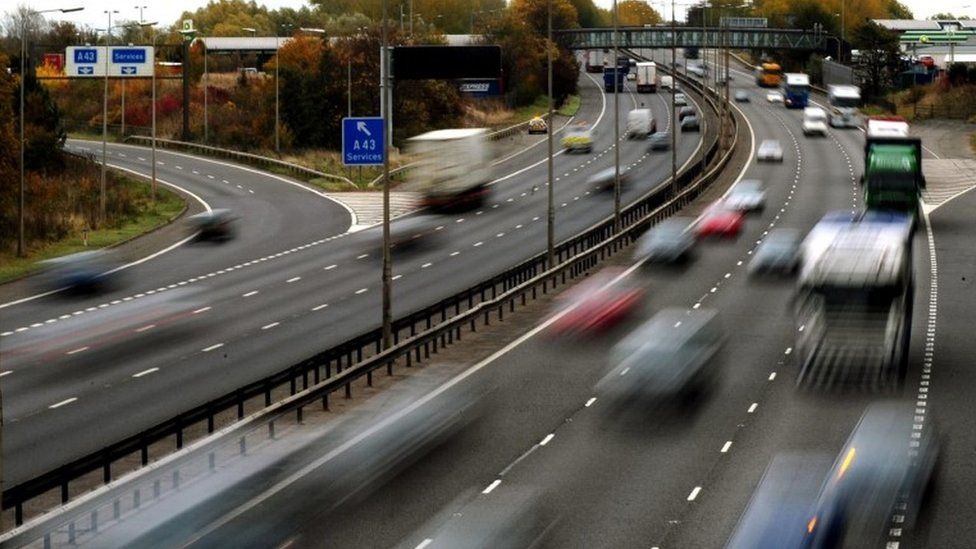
x=361, y=126
x=128, y=70
x=86, y=70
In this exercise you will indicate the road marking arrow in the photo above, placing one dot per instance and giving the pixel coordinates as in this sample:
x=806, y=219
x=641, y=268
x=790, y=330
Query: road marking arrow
x=361, y=126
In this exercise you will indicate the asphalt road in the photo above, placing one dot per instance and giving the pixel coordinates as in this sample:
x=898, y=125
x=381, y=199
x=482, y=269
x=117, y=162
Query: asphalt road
x=281, y=297
x=665, y=479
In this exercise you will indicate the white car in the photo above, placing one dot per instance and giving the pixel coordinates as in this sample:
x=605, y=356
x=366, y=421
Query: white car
x=770, y=151
x=747, y=196
x=680, y=100
x=814, y=121
x=631, y=76
x=774, y=97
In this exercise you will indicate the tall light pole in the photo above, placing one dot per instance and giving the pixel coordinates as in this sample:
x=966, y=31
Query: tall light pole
x=387, y=259
x=206, y=85
x=616, y=123
x=153, y=159
x=140, y=8
x=101, y=186
x=674, y=120
x=278, y=88
x=550, y=192
x=21, y=249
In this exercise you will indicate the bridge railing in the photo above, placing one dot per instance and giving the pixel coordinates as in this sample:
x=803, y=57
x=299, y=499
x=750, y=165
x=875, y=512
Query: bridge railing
x=416, y=337
x=683, y=37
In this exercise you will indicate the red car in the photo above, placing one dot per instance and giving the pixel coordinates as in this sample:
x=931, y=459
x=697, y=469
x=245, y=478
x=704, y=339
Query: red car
x=597, y=304
x=719, y=220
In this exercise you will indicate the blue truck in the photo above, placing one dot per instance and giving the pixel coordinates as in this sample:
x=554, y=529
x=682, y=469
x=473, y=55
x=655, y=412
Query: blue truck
x=608, y=78
x=796, y=90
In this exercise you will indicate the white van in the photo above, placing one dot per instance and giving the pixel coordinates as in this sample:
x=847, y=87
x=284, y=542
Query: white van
x=814, y=121
x=640, y=124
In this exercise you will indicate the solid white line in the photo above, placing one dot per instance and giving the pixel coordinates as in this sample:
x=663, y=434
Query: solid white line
x=212, y=347
x=145, y=372
x=492, y=486
x=726, y=446
x=78, y=350
x=546, y=440
x=269, y=326
x=694, y=493
x=63, y=402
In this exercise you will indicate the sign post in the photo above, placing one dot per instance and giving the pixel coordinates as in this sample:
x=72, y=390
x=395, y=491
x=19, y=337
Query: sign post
x=362, y=141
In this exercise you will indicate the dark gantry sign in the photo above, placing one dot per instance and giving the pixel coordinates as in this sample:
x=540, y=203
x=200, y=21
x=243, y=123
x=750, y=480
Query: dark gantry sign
x=446, y=62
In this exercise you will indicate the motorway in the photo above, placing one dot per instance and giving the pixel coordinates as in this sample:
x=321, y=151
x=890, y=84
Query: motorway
x=290, y=286
x=665, y=479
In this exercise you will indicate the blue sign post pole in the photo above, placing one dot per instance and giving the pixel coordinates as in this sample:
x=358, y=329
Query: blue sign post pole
x=362, y=141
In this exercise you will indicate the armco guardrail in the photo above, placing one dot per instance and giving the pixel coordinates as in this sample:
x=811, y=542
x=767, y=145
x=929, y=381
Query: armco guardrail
x=243, y=157
x=416, y=336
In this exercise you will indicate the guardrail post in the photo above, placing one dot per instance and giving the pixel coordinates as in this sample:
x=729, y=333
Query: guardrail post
x=348, y=390
x=156, y=489
x=19, y=513
x=136, y=498
x=71, y=533
x=267, y=395
x=94, y=521
x=369, y=378
x=106, y=467
x=179, y=434
x=299, y=414
x=176, y=478
x=292, y=386
x=240, y=405
x=242, y=443
x=389, y=368
x=144, y=453
x=271, y=429
x=116, y=509
x=325, y=401
x=212, y=461
x=210, y=420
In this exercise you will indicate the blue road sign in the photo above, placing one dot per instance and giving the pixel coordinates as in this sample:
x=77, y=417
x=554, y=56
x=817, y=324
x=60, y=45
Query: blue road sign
x=129, y=55
x=362, y=141
x=86, y=56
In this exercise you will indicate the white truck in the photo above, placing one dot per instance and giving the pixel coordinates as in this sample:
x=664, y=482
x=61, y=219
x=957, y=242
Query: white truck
x=667, y=82
x=594, y=60
x=453, y=167
x=640, y=124
x=646, y=77
x=844, y=101
x=814, y=121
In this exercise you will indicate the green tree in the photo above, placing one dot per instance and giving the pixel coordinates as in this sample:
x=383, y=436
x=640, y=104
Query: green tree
x=879, y=61
x=948, y=15
x=635, y=13
x=9, y=160
x=589, y=16
x=897, y=10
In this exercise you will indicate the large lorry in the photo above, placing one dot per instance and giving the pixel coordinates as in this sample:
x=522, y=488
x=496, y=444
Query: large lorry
x=844, y=101
x=796, y=90
x=594, y=60
x=640, y=124
x=453, y=167
x=769, y=75
x=646, y=77
x=853, y=306
x=893, y=176
x=608, y=78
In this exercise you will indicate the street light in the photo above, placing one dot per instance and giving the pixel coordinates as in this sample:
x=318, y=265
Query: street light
x=278, y=87
x=550, y=208
x=21, y=251
x=101, y=186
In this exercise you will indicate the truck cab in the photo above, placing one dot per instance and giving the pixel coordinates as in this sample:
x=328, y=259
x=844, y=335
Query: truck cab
x=844, y=102
x=453, y=167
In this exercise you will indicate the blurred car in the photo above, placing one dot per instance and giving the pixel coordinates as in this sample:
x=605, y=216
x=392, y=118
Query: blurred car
x=596, y=304
x=660, y=141
x=769, y=151
x=82, y=272
x=631, y=76
x=747, y=196
x=883, y=469
x=603, y=180
x=680, y=100
x=674, y=354
x=578, y=138
x=741, y=96
x=217, y=225
x=814, y=121
x=685, y=112
x=719, y=220
x=669, y=241
x=779, y=252
x=774, y=97
x=691, y=124
x=410, y=232
x=538, y=125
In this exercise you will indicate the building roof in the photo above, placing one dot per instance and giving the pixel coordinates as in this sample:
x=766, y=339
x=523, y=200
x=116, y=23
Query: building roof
x=242, y=44
x=907, y=24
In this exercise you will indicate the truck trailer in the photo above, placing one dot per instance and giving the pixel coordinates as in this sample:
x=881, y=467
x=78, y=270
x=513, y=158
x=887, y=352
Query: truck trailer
x=594, y=60
x=893, y=178
x=608, y=78
x=453, y=168
x=646, y=77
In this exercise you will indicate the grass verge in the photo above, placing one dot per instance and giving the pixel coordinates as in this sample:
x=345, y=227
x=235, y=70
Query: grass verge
x=570, y=106
x=168, y=205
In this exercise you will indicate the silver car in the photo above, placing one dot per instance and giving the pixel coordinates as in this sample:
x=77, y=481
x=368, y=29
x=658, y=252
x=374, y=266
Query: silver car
x=667, y=242
x=741, y=96
x=779, y=253
x=747, y=196
x=770, y=151
x=680, y=100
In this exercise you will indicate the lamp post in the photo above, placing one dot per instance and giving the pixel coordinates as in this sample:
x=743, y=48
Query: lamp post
x=278, y=88
x=550, y=192
x=21, y=251
x=206, y=86
x=101, y=185
x=674, y=119
x=387, y=312
x=616, y=123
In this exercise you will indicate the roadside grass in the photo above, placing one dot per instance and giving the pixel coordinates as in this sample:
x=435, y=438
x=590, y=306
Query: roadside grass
x=168, y=205
x=570, y=106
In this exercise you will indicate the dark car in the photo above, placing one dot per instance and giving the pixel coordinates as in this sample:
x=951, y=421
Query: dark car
x=217, y=225
x=83, y=272
x=669, y=241
x=691, y=124
x=659, y=141
x=685, y=112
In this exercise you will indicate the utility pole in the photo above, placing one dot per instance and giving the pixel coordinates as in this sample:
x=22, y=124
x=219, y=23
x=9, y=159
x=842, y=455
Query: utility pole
x=674, y=120
x=550, y=192
x=387, y=259
x=101, y=186
x=206, y=84
x=616, y=124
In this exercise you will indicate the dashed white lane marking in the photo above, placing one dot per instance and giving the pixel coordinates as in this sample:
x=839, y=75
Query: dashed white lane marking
x=212, y=347
x=479, y=243
x=330, y=267
x=269, y=326
x=249, y=294
x=320, y=307
x=63, y=403
x=752, y=407
x=146, y=372
x=546, y=440
x=788, y=350
x=772, y=376
x=492, y=486
x=78, y=350
x=726, y=446
x=499, y=235
x=362, y=256
x=454, y=253
x=293, y=279
x=424, y=543
x=6, y=373
x=361, y=291
x=694, y=493
x=397, y=277
x=425, y=265
x=202, y=310
x=145, y=328
x=590, y=402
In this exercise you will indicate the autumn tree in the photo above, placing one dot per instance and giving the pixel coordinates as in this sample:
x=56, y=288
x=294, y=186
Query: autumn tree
x=589, y=16
x=879, y=61
x=8, y=155
x=635, y=13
